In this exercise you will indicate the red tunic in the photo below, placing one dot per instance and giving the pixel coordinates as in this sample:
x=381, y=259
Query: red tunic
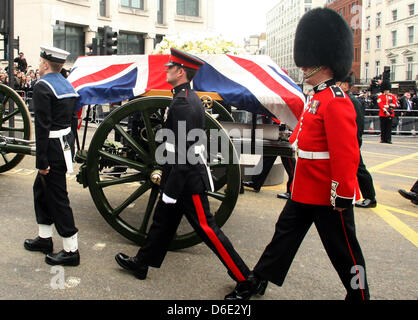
x=386, y=103
x=328, y=124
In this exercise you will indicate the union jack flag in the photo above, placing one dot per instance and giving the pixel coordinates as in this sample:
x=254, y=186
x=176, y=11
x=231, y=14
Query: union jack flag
x=252, y=83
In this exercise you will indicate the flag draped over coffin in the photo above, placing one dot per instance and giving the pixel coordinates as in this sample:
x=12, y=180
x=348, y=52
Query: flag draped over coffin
x=252, y=83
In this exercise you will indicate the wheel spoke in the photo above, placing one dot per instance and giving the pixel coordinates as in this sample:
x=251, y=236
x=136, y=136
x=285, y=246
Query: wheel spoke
x=4, y=157
x=113, y=182
x=123, y=161
x=138, y=192
x=150, y=207
x=12, y=129
x=137, y=148
x=217, y=195
x=6, y=98
x=11, y=115
x=150, y=132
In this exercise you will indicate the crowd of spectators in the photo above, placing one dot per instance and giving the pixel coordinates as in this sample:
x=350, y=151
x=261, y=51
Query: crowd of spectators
x=25, y=77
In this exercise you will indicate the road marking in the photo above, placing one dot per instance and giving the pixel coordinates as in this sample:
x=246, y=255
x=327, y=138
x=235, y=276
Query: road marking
x=415, y=215
x=396, y=174
x=397, y=224
x=392, y=162
x=395, y=144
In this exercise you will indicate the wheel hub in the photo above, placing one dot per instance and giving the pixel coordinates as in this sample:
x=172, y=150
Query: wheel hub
x=156, y=177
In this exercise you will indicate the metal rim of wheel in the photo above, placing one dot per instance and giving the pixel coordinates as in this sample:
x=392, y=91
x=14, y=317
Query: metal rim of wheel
x=145, y=165
x=20, y=115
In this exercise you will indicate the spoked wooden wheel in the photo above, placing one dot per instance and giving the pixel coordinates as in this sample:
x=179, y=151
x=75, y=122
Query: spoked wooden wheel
x=14, y=123
x=127, y=198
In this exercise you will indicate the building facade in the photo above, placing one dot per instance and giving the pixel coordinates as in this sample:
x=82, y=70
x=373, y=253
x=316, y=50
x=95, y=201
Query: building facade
x=282, y=21
x=72, y=24
x=351, y=11
x=390, y=39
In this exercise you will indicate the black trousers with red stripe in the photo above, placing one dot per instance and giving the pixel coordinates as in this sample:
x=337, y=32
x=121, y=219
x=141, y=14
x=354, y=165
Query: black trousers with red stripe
x=166, y=220
x=337, y=233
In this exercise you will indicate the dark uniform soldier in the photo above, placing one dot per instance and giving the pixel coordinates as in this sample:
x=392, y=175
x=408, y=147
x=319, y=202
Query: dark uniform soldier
x=364, y=177
x=55, y=126
x=324, y=184
x=183, y=184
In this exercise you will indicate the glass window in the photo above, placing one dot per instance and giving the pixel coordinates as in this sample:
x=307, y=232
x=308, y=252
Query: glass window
x=409, y=68
x=102, y=8
x=71, y=39
x=377, y=68
x=395, y=15
x=378, y=42
x=392, y=69
x=133, y=4
x=367, y=43
x=411, y=34
x=160, y=12
x=368, y=23
x=411, y=8
x=394, y=38
x=129, y=43
x=188, y=8
x=378, y=19
x=366, y=71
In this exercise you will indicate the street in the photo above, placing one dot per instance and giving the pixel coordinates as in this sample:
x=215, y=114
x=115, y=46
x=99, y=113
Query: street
x=387, y=234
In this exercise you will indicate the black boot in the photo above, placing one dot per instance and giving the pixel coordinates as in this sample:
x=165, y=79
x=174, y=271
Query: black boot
x=63, y=258
x=246, y=289
x=44, y=245
x=133, y=265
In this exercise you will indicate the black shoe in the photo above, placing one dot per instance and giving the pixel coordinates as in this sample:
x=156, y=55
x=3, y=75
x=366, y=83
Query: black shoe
x=366, y=203
x=44, y=245
x=63, y=258
x=285, y=195
x=132, y=264
x=413, y=196
x=246, y=289
x=251, y=185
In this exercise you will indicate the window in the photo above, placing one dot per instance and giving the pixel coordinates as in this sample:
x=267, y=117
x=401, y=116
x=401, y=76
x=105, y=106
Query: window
x=188, y=8
x=378, y=42
x=377, y=68
x=133, y=4
x=394, y=38
x=129, y=43
x=366, y=71
x=368, y=23
x=411, y=8
x=409, y=68
x=410, y=35
x=71, y=39
x=392, y=69
x=367, y=44
x=394, y=15
x=160, y=12
x=102, y=8
x=378, y=19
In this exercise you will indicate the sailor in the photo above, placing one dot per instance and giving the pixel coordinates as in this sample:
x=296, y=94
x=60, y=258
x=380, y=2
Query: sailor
x=324, y=183
x=184, y=183
x=55, y=127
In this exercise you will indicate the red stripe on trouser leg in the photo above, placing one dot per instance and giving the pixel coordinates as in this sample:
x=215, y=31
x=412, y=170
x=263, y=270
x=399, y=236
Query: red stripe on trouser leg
x=214, y=239
x=352, y=256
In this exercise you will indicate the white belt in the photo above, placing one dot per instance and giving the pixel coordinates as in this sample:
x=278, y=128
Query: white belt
x=313, y=155
x=199, y=150
x=67, y=152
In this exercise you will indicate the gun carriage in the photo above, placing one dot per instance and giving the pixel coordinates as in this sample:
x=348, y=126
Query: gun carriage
x=127, y=138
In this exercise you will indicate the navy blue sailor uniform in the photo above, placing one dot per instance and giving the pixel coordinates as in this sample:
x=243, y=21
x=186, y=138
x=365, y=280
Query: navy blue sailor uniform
x=187, y=183
x=55, y=123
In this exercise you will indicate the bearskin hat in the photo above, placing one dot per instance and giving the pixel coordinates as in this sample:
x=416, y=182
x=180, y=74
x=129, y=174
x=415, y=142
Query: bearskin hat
x=323, y=38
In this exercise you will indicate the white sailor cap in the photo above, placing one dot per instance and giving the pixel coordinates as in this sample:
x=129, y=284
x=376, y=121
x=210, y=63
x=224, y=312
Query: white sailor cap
x=54, y=54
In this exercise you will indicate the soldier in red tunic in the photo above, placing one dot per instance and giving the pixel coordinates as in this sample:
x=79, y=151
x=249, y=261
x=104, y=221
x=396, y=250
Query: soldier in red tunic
x=324, y=184
x=386, y=102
